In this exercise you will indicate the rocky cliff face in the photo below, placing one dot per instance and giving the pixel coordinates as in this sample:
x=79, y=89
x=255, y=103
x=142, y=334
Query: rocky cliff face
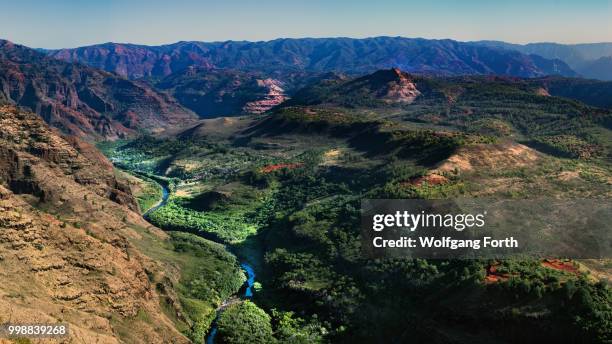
x=272, y=94
x=394, y=86
x=81, y=100
x=384, y=87
x=220, y=92
x=65, y=252
x=31, y=154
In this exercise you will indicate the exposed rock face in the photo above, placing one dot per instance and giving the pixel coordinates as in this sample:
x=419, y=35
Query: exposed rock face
x=83, y=101
x=272, y=95
x=399, y=88
x=69, y=259
x=383, y=87
x=212, y=92
x=31, y=152
x=541, y=91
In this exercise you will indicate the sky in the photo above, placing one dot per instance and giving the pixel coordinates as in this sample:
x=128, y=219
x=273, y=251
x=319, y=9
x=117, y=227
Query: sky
x=72, y=23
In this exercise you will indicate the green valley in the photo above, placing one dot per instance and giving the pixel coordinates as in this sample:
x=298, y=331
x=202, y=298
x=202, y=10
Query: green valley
x=282, y=192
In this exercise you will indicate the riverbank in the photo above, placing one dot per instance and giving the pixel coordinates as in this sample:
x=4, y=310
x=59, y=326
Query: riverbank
x=246, y=267
x=161, y=203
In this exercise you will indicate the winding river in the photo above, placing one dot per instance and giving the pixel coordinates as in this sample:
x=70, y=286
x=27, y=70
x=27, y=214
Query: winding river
x=161, y=203
x=246, y=267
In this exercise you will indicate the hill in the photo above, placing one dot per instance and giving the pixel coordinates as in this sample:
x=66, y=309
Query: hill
x=65, y=212
x=593, y=92
x=210, y=92
x=81, y=100
x=445, y=57
x=384, y=87
x=534, y=110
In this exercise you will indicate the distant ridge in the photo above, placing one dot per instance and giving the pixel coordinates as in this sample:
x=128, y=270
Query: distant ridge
x=591, y=60
x=358, y=56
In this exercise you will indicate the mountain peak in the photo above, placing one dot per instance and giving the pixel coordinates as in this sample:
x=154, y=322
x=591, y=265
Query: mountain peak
x=383, y=87
x=390, y=85
x=390, y=75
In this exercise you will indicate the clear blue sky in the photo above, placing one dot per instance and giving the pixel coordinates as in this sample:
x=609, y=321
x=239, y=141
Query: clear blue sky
x=71, y=23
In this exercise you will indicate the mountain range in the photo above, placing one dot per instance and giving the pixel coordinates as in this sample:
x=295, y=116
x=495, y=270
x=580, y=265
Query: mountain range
x=591, y=60
x=440, y=57
x=81, y=100
x=112, y=90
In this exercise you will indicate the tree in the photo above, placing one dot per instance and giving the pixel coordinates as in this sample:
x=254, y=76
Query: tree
x=245, y=323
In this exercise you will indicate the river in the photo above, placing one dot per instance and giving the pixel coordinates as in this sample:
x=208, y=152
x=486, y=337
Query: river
x=161, y=203
x=248, y=293
x=246, y=267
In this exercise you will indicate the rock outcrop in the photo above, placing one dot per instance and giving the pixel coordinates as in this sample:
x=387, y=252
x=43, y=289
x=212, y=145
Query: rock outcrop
x=397, y=86
x=65, y=252
x=219, y=92
x=34, y=159
x=272, y=95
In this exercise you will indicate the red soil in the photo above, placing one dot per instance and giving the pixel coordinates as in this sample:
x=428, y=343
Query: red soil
x=557, y=264
x=272, y=168
x=431, y=179
x=493, y=276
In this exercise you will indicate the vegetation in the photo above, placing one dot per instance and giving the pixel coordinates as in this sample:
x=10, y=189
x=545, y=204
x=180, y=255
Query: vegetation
x=292, y=207
x=208, y=275
x=226, y=227
x=148, y=195
x=243, y=323
x=568, y=146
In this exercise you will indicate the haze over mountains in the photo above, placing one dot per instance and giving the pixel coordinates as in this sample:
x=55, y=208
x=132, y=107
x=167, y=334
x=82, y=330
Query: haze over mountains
x=440, y=57
x=591, y=60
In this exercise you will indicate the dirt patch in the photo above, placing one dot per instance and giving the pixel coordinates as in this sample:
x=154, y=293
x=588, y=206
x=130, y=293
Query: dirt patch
x=182, y=193
x=568, y=175
x=331, y=157
x=497, y=156
x=275, y=167
x=560, y=265
x=332, y=153
x=493, y=276
x=431, y=179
